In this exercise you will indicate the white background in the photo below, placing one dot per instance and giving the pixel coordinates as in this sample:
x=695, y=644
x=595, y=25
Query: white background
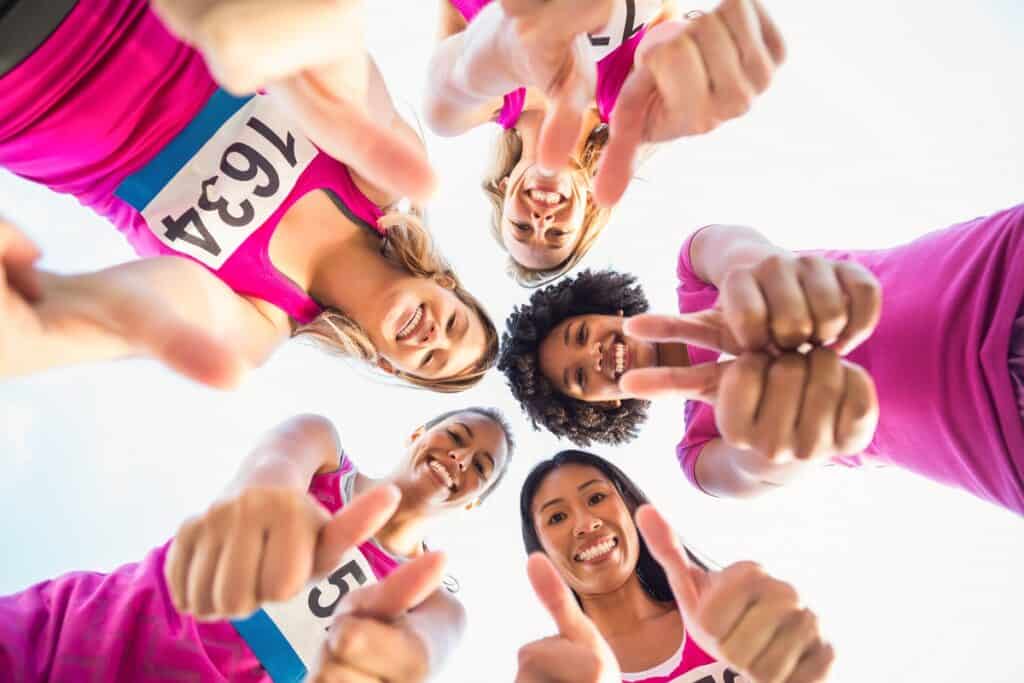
x=888, y=120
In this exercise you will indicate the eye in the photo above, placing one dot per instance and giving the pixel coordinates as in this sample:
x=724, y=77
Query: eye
x=479, y=467
x=521, y=227
x=581, y=378
x=558, y=233
x=596, y=498
x=451, y=323
x=455, y=436
x=426, y=359
x=556, y=518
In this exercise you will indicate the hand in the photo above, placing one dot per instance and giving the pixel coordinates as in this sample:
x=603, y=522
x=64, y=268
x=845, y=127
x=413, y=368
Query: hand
x=20, y=290
x=370, y=640
x=553, y=45
x=578, y=654
x=740, y=615
x=689, y=77
x=264, y=544
x=311, y=55
x=784, y=408
x=786, y=301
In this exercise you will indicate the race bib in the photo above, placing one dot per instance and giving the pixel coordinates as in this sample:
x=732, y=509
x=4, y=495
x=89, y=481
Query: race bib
x=709, y=673
x=628, y=17
x=287, y=636
x=221, y=178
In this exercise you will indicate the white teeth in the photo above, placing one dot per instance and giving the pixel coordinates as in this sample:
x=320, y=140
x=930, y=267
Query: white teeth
x=439, y=468
x=411, y=325
x=549, y=198
x=597, y=550
x=620, y=358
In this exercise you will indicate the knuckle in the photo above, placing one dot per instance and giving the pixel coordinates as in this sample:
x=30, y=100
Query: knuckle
x=349, y=638
x=773, y=264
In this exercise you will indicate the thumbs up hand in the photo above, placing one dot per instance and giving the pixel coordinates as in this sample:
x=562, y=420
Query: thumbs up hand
x=578, y=654
x=740, y=615
x=371, y=640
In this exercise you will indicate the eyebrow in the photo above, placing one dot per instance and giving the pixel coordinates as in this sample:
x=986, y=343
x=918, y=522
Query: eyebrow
x=550, y=502
x=466, y=427
x=578, y=488
x=585, y=485
x=488, y=456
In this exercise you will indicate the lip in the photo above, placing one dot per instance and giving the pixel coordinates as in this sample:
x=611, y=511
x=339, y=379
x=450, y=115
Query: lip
x=608, y=357
x=591, y=544
x=418, y=332
x=437, y=477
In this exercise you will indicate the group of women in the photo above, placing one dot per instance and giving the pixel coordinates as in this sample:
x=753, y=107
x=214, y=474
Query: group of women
x=251, y=154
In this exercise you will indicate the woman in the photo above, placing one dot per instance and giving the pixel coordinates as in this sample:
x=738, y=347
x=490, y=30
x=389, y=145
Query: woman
x=662, y=615
x=250, y=232
x=231, y=597
x=529, y=68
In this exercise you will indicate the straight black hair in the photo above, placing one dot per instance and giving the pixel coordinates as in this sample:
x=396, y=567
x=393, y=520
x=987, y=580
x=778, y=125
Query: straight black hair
x=651, y=574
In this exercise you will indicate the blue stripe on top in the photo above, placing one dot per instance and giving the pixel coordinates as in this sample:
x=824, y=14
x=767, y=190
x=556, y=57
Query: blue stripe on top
x=271, y=648
x=139, y=188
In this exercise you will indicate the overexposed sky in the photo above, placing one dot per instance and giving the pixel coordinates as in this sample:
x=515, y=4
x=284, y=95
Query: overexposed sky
x=890, y=119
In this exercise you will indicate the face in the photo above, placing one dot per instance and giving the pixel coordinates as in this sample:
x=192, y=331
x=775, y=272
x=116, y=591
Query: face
x=584, y=357
x=454, y=462
x=427, y=331
x=586, y=529
x=542, y=217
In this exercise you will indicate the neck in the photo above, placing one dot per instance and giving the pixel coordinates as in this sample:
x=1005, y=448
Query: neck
x=404, y=533
x=673, y=355
x=624, y=609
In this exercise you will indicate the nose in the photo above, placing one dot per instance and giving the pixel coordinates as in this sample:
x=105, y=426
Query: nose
x=460, y=458
x=598, y=356
x=587, y=525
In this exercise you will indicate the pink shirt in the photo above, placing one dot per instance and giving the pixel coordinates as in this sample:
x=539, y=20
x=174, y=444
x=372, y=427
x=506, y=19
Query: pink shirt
x=122, y=626
x=117, y=112
x=939, y=357
x=613, y=48
x=689, y=664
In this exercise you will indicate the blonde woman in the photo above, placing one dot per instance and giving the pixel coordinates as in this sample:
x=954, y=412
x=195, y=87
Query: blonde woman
x=250, y=229
x=529, y=66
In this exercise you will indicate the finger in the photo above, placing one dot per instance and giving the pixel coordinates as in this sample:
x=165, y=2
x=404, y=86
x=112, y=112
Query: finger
x=376, y=648
x=557, y=660
x=865, y=305
x=682, y=82
x=235, y=582
x=697, y=382
x=775, y=430
x=402, y=590
x=731, y=93
x=288, y=552
x=563, y=122
x=733, y=592
x=333, y=672
x=519, y=8
x=357, y=521
x=348, y=134
x=825, y=298
x=789, y=316
x=177, y=564
x=686, y=579
x=189, y=350
x=744, y=25
x=627, y=126
x=796, y=636
x=740, y=394
x=706, y=329
x=814, y=666
x=572, y=17
x=769, y=31
x=858, y=412
x=755, y=631
x=202, y=569
x=816, y=426
x=745, y=307
x=559, y=601
x=17, y=258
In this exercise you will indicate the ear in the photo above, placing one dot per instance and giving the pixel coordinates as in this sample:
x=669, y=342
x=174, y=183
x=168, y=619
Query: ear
x=445, y=280
x=385, y=366
x=503, y=184
x=414, y=437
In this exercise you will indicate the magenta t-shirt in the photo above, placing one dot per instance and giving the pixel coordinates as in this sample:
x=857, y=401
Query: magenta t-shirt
x=689, y=664
x=939, y=357
x=122, y=626
x=119, y=113
x=612, y=48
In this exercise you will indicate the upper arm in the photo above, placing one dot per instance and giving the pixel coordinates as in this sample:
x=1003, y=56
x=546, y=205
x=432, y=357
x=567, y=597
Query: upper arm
x=729, y=472
x=441, y=620
x=449, y=115
x=451, y=22
x=291, y=454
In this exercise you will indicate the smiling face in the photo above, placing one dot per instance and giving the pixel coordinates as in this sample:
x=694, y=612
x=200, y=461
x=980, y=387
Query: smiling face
x=584, y=357
x=454, y=462
x=427, y=331
x=586, y=529
x=542, y=216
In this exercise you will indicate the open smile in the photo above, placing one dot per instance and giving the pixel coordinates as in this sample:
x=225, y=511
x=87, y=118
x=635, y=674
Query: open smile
x=597, y=552
x=412, y=324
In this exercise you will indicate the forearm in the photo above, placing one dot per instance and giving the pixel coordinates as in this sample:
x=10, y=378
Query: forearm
x=440, y=620
x=730, y=472
x=717, y=249
x=471, y=70
x=290, y=455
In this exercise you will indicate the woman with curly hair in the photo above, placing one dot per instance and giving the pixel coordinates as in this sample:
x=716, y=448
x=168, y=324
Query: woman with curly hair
x=249, y=227
x=530, y=67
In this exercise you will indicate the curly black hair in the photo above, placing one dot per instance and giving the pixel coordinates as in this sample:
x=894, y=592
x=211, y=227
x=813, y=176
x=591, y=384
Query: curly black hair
x=604, y=292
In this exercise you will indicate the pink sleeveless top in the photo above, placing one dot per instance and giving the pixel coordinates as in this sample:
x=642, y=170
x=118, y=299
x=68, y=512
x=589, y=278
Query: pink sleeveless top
x=613, y=48
x=122, y=626
x=689, y=664
x=116, y=111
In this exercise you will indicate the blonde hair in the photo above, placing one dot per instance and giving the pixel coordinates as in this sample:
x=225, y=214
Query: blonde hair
x=408, y=245
x=508, y=152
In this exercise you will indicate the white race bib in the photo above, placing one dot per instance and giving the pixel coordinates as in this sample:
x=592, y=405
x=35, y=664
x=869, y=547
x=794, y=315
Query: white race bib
x=627, y=18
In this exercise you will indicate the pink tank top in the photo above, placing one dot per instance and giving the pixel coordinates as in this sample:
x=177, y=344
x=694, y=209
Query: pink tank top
x=689, y=664
x=122, y=626
x=116, y=111
x=613, y=48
